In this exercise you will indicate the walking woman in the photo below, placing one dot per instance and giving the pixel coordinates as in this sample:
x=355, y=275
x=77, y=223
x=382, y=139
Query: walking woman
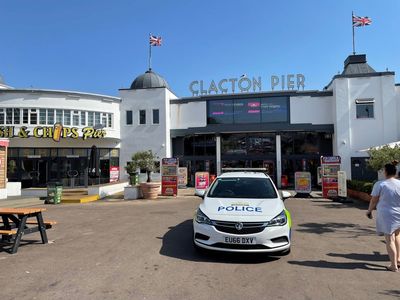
x=386, y=200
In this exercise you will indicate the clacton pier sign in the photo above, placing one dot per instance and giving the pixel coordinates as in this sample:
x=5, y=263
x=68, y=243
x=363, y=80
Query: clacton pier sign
x=245, y=84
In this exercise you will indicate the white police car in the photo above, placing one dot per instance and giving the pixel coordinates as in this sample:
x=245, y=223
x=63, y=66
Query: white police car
x=243, y=212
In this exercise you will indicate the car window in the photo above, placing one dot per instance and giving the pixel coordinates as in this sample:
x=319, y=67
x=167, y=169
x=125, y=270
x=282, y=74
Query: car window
x=242, y=187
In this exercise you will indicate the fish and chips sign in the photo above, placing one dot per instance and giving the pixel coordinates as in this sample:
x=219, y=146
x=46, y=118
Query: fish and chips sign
x=56, y=132
x=289, y=82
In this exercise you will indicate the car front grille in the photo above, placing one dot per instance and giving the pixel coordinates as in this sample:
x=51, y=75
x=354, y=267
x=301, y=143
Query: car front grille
x=239, y=247
x=248, y=227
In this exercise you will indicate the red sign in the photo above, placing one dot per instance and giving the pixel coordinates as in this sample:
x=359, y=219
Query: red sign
x=202, y=180
x=169, y=176
x=329, y=187
x=114, y=174
x=169, y=185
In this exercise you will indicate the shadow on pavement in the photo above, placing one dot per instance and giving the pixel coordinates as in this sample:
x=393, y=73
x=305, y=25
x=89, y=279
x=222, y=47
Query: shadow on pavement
x=323, y=264
x=341, y=205
x=392, y=293
x=178, y=243
x=376, y=256
x=353, y=230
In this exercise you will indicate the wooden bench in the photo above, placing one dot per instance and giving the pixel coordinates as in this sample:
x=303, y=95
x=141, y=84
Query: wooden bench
x=48, y=224
x=8, y=232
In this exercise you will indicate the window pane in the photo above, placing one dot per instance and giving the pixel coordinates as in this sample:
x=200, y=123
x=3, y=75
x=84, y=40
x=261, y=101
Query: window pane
x=246, y=111
x=75, y=118
x=50, y=116
x=1, y=116
x=9, y=112
x=104, y=119
x=142, y=117
x=109, y=120
x=274, y=109
x=59, y=116
x=220, y=112
x=33, y=116
x=67, y=117
x=42, y=116
x=365, y=110
x=83, y=118
x=129, y=119
x=90, y=118
x=17, y=119
x=25, y=116
x=156, y=116
x=96, y=118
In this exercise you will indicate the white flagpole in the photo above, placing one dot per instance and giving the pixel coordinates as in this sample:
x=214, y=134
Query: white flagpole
x=352, y=25
x=149, y=53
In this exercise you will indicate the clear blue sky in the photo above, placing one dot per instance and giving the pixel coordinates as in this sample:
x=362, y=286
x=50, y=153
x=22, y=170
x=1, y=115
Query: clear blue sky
x=100, y=46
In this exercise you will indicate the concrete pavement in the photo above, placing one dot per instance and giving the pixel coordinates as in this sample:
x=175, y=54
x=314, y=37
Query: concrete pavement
x=143, y=250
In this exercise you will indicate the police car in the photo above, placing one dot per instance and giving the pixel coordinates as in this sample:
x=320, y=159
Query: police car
x=243, y=212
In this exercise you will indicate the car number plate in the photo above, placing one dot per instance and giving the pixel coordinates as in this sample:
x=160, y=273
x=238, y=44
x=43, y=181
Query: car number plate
x=240, y=240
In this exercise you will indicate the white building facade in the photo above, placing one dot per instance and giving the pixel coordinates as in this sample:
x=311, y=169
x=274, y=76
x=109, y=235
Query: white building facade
x=282, y=131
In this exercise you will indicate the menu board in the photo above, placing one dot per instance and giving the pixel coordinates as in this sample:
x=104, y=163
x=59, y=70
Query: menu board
x=302, y=182
x=169, y=176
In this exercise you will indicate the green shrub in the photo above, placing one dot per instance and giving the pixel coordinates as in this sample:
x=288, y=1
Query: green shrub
x=360, y=186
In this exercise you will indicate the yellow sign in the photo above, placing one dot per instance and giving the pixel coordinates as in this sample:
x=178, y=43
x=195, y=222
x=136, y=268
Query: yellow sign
x=55, y=132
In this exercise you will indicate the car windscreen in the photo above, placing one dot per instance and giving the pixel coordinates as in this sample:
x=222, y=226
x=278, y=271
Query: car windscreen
x=242, y=187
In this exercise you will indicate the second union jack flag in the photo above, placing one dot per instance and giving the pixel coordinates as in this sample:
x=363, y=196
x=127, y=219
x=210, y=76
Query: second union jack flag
x=155, y=41
x=361, y=21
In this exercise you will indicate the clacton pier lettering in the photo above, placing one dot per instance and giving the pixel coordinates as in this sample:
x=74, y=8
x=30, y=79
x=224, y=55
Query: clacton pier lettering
x=245, y=84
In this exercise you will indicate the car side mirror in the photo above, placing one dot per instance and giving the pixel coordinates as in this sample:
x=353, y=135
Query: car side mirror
x=285, y=195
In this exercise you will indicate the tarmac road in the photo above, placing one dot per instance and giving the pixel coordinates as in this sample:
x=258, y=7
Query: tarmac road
x=143, y=250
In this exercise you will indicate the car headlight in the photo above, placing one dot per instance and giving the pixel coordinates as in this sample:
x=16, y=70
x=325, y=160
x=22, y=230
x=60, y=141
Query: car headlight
x=202, y=218
x=279, y=220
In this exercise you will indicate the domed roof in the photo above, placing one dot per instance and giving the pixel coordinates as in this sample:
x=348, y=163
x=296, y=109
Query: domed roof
x=149, y=80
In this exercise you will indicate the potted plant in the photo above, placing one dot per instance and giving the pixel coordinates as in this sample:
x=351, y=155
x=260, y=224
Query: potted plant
x=145, y=160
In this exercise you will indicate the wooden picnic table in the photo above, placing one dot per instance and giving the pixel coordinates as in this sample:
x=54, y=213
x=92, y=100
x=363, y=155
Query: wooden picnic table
x=15, y=224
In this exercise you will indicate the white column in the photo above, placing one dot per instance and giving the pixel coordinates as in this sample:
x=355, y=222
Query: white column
x=278, y=160
x=218, y=154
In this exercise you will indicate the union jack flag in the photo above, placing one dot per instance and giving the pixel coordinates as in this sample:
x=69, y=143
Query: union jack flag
x=155, y=41
x=361, y=21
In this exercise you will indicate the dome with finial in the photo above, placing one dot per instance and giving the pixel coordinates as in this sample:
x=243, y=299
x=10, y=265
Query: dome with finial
x=149, y=80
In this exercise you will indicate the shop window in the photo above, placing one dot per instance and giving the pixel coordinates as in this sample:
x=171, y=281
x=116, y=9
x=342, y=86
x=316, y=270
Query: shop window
x=261, y=144
x=1, y=115
x=234, y=144
x=17, y=119
x=59, y=116
x=75, y=118
x=43, y=152
x=142, y=117
x=220, y=112
x=50, y=116
x=63, y=152
x=156, y=116
x=25, y=116
x=42, y=116
x=53, y=152
x=67, y=117
x=129, y=117
x=25, y=152
x=81, y=152
x=90, y=118
x=365, y=108
x=274, y=109
x=33, y=116
x=104, y=119
x=287, y=143
x=83, y=118
x=306, y=143
x=12, y=152
x=97, y=118
x=246, y=111
x=9, y=116
x=109, y=124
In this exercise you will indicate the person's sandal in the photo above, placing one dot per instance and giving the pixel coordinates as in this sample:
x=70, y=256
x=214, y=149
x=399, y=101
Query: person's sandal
x=391, y=270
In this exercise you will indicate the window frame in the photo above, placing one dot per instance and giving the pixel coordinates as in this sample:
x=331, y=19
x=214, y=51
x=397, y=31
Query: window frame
x=158, y=116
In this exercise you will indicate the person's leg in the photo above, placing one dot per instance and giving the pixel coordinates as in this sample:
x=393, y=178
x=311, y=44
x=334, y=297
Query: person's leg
x=397, y=242
x=391, y=249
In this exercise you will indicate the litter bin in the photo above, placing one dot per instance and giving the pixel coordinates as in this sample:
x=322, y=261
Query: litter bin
x=54, y=192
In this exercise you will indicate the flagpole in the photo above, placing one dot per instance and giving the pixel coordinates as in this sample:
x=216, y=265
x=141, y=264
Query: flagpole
x=149, y=52
x=352, y=25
